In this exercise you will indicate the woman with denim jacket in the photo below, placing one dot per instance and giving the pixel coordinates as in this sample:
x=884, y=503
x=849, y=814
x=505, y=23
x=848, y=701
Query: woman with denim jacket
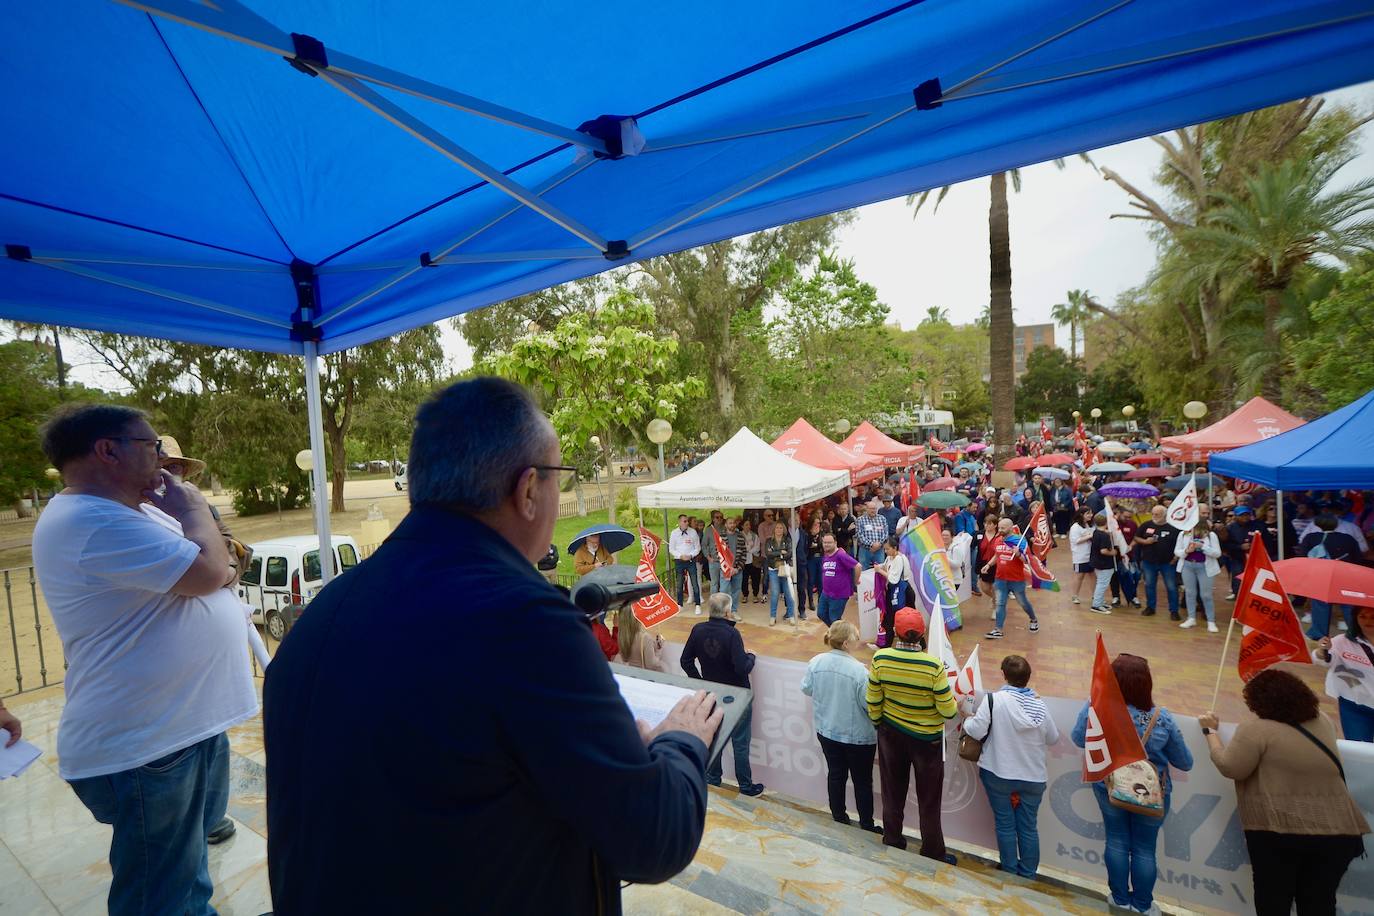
x=1132, y=838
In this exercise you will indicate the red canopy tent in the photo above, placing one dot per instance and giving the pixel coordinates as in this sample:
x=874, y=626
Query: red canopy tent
x=868, y=440
x=1255, y=420
x=804, y=443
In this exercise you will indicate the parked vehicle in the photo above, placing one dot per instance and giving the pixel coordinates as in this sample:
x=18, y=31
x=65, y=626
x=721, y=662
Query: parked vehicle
x=285, y=574
x=400, y=480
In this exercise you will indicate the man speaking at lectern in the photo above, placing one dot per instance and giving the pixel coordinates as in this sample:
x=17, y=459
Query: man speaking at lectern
x=411, y=768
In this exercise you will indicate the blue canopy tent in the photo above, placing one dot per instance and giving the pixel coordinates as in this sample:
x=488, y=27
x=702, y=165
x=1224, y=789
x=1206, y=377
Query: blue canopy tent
x=299, y=176
x=1335, y=452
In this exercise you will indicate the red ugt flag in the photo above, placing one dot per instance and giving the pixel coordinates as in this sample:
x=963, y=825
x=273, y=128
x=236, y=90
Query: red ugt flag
x=1045, y=432
x=913, y=487
x=656, y=608
x=727, y=556
x=1111, y=740
x=1271, y=633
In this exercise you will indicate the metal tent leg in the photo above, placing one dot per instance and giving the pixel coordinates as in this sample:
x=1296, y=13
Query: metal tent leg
x=319, y=499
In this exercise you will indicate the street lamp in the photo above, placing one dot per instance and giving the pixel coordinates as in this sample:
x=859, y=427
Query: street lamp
x=1097, y=419
x=660, y=431
x=1195, y=410
x=1128, y=411
x=841, y=427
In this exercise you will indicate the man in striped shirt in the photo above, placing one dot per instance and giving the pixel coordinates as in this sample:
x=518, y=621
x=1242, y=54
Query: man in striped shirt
x=909, y=700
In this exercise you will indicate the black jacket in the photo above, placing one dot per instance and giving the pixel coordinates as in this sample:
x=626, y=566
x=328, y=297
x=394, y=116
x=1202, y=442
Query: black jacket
x=718, y=648
x=414, y=768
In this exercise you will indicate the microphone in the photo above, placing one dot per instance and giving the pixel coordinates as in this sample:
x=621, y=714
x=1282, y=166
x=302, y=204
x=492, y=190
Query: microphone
x=610, y=587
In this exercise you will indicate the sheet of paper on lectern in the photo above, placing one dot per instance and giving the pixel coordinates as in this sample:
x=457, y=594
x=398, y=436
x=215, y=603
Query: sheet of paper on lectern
x=649, y=701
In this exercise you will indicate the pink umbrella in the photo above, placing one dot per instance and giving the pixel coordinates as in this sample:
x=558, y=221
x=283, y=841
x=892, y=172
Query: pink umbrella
x=1148, y=473
x=1332, y=581
x=942, y=483
x=976, y=447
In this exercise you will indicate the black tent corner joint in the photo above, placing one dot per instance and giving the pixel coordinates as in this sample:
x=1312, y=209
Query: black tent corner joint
x=928, y=94
x=19, y=252
x=310, y=56
x=616, y=250
x=620, y=133
x=307, y=285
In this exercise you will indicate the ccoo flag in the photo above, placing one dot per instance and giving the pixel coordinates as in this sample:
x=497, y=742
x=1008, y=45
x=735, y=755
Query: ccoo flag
x=1111, y=740
x=727, y=556
x=1183, y=511
x=968, y=685
x=656, y=608
x=1271, y=633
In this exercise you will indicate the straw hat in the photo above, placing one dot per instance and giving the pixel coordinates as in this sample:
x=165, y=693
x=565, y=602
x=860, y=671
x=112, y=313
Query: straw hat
x=171, y=451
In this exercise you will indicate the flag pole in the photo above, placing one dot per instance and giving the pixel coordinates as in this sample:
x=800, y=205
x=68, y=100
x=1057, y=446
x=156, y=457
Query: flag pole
x=1225, y=649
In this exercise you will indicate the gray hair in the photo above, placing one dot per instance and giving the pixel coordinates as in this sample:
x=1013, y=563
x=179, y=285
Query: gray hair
x=73, y=429
x=472, y=440
x=720, y=604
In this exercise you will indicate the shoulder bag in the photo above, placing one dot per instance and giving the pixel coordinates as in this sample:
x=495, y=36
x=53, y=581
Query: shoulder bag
x=1325, y=750
x=1137, y=786
x=971, y=748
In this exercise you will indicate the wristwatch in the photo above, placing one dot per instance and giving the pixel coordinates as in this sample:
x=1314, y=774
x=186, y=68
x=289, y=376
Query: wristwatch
x=1206, y=730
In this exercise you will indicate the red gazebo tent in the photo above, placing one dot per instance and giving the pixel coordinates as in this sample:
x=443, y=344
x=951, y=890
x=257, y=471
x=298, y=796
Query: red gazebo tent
x=1255, y=420
x=806, y=444
x=868, y=440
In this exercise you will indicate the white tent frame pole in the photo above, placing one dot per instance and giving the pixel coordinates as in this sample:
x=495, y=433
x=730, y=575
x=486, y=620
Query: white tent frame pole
x=236, y=22
x=417, y=128
x=319, y=499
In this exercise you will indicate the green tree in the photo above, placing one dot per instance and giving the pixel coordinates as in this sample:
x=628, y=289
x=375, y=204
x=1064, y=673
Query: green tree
x=606, y=369
x=1049, y=386
x=1073, y=312
x=935, y=315
x=495, y=327
x=27, y=394
x=1333, y=360
x=39, y=334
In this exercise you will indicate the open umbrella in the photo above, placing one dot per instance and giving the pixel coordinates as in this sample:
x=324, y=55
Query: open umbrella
x=1152, y=458
x=942, y=483
x=971, y=465
x=1020, y=464
x=958, y=443
x=1054, y=459
x=1132, y=490
x=613, y=538
x=1052, y=473
x=1332, y=581
x=939, y=458
x=1181, y=481
x=977, y=447
x=1151, y=473
x=941, y=499
x=1112, y=447
x=1111, y=467
x=1139, y=446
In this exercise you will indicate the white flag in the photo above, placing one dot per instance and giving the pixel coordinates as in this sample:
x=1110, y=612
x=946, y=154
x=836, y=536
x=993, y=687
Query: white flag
x=1114, y=529
x=938, y=643
x=968, y=685
x=1183, y=511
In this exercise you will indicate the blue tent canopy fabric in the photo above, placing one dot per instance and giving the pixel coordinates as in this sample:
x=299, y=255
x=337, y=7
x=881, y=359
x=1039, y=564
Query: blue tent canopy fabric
x=1335, y=452
x=166, y=172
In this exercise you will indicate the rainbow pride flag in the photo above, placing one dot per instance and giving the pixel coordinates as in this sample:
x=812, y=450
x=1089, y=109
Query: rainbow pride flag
x=936, y=589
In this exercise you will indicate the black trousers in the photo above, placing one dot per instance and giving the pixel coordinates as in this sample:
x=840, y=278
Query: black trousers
x=752, y=584
x=1292, y=868
x=902, y=754
x=842, y=763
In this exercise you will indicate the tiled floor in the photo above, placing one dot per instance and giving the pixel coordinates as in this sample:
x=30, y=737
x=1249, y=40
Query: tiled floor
x=1183, y=662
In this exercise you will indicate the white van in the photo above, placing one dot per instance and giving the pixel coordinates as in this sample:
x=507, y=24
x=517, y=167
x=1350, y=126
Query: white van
x=285, y=574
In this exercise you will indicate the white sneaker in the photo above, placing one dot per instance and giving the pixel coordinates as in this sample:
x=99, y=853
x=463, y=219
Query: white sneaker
x=697, y=612
x=1211, y=627
x=1187, y=624
x=772, y=621
x=1307, y=618
x=1075, y=600
x=792, y=621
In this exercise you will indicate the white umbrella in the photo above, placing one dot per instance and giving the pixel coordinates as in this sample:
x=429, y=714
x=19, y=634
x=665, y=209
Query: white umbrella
x=1113, y=447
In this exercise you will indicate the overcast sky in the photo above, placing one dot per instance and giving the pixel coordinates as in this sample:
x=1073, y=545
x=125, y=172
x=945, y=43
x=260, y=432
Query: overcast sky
x=1061, y=238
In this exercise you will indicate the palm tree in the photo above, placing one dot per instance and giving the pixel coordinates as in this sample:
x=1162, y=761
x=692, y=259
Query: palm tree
x=1000, y=322
x=936, y=315
x=1281, y=222
x=1075, y=313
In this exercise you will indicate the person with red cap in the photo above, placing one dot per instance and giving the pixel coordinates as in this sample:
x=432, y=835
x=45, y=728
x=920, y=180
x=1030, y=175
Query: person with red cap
x=910, y=700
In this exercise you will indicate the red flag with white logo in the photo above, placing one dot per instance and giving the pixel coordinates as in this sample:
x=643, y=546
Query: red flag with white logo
x=1271, y=633
x=1045, y=432
x=727, y=556
x=913, y=487
x=656, y=608
x=1039, y=528
x=1111, y=740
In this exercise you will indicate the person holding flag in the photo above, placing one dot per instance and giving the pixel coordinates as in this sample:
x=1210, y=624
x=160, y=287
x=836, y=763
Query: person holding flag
x=1118, y=726
x=1197, y=552
x=1015, y=728
x=730, y=550
x=1010, y=578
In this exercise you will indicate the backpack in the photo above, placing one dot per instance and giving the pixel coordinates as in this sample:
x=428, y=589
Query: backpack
x=1137, y=786
x=1319, y=551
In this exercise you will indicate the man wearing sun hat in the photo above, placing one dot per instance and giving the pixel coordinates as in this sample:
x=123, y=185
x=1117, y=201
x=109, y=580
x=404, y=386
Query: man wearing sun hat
x=909, y=700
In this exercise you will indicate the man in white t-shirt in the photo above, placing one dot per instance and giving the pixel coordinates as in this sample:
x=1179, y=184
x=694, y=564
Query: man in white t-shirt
x=157, y=668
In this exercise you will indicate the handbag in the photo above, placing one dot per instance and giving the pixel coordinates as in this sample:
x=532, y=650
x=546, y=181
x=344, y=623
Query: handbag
x=971, y=748
x=1137, y=786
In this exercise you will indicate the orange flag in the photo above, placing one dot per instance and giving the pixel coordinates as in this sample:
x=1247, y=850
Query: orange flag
x=656, y=608
x=1111, y=739
x=1271, y=633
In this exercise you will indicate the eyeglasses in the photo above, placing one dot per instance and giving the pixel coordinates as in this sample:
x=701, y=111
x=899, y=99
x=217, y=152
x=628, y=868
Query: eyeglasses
x=565, y=472
x=157, y=443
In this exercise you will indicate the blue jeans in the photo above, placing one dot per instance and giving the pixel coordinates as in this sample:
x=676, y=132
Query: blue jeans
x=775, y=585
x=1003, y=587
x=829, y=609
x=870, y=555
x=814, y=584
x=1198, y=585
x=731, y=587
x=1357, y=722
x=1321, y=618
x=687, y=570
x=1130, y=856
x=161, y=813
x=1149, y=571
x=739, y=739
x=1018, y=834
x=1123, y=586
x=714, y=566
x=1103, y=582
